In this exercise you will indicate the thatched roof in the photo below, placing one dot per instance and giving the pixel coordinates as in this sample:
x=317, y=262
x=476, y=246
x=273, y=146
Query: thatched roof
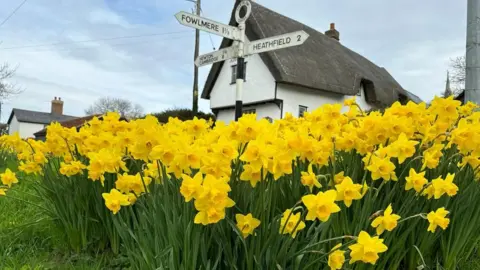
x=321, y=63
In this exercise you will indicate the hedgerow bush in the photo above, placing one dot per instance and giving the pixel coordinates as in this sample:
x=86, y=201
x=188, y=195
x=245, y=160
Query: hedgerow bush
x=182, y=114
x=391, y=190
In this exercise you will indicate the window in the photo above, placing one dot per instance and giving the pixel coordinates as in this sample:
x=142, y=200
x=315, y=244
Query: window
x=249, y=111
x=234, y=73
x=302, y=110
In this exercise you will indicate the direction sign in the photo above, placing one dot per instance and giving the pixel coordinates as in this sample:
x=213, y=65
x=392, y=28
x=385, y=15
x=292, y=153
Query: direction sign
x=241, y=48
x=207, y=25
x=276, y=42
x=216, y=56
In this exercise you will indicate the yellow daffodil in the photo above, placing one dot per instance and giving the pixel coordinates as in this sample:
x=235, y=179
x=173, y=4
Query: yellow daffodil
x=132, y=198
x=30, y=167
x=246, y=224
x=251, y=174
x=338, y=178
x=364, y=189
x=386, y=222
x=440, y=186
x=367, y=248
x=438, y=219
x=321, y=206
x=115, y=200
x=72, y=168
x=309, y=179
x=191, y=187
x=8, y=178
x=431, y=156
x=415, y=180
x=347, y=191
x=402, y=148
x=291, y=223
x=349, y=102
x=212, y=200
x=336, y=259
x=132, y=183
x=382, y=168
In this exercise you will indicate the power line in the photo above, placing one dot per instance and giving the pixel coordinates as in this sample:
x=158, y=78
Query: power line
x=92, y=40
x=211, y=40
x=94, y=47
x=13, y=12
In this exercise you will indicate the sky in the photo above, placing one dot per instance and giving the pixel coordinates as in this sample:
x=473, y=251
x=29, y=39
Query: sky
x=136, y=50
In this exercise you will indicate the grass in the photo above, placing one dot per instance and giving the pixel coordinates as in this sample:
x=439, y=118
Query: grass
x=28, y=239
x=472, y=263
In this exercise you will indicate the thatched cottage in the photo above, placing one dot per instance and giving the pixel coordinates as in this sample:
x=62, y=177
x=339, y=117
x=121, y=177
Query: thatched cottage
x=298, y=79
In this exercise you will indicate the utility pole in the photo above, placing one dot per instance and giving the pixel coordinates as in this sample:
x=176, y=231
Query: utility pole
x=195, y=70
x=472, y=57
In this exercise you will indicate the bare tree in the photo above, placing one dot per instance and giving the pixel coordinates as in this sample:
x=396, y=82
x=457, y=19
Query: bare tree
x=7, y=89
x=110, y=104
x=3, y=129
x=458, y=70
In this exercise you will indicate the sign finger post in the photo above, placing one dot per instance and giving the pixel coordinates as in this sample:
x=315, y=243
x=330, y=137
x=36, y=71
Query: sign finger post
x=241, y=48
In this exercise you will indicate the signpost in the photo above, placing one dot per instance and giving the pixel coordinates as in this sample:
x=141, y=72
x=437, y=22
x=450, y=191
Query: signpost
x=216, y=56
x=277, y=42
x=207, y=25
x=241, y=49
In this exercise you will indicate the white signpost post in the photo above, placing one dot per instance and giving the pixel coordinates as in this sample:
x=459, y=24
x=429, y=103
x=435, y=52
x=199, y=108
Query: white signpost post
x=241, y=49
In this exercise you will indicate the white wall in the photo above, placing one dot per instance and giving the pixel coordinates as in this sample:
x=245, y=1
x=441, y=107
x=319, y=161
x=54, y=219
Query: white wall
x=263, y=110
x=294, y=96
x=259, y=84
x=28, y=129
x=25, y=130
x=14, y=126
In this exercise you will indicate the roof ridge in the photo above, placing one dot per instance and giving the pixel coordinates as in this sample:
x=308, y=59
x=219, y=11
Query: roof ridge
x=18, y=109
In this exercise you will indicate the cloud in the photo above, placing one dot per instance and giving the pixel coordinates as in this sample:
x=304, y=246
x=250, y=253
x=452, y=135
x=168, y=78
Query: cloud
x=413, y=40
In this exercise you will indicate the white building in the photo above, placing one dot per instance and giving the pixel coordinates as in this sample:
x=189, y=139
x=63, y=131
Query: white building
x=26, y=122
x=298, y=79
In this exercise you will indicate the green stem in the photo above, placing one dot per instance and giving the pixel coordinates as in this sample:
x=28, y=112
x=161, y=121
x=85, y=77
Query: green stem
x=422, y=215
x=305, y=250
x=328, y=253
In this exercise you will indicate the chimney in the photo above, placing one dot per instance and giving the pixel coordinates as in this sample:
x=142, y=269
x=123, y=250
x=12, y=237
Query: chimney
x=57, y=106
x=333, y=33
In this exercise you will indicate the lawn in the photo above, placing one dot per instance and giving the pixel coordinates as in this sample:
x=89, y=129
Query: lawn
x=29, y=240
